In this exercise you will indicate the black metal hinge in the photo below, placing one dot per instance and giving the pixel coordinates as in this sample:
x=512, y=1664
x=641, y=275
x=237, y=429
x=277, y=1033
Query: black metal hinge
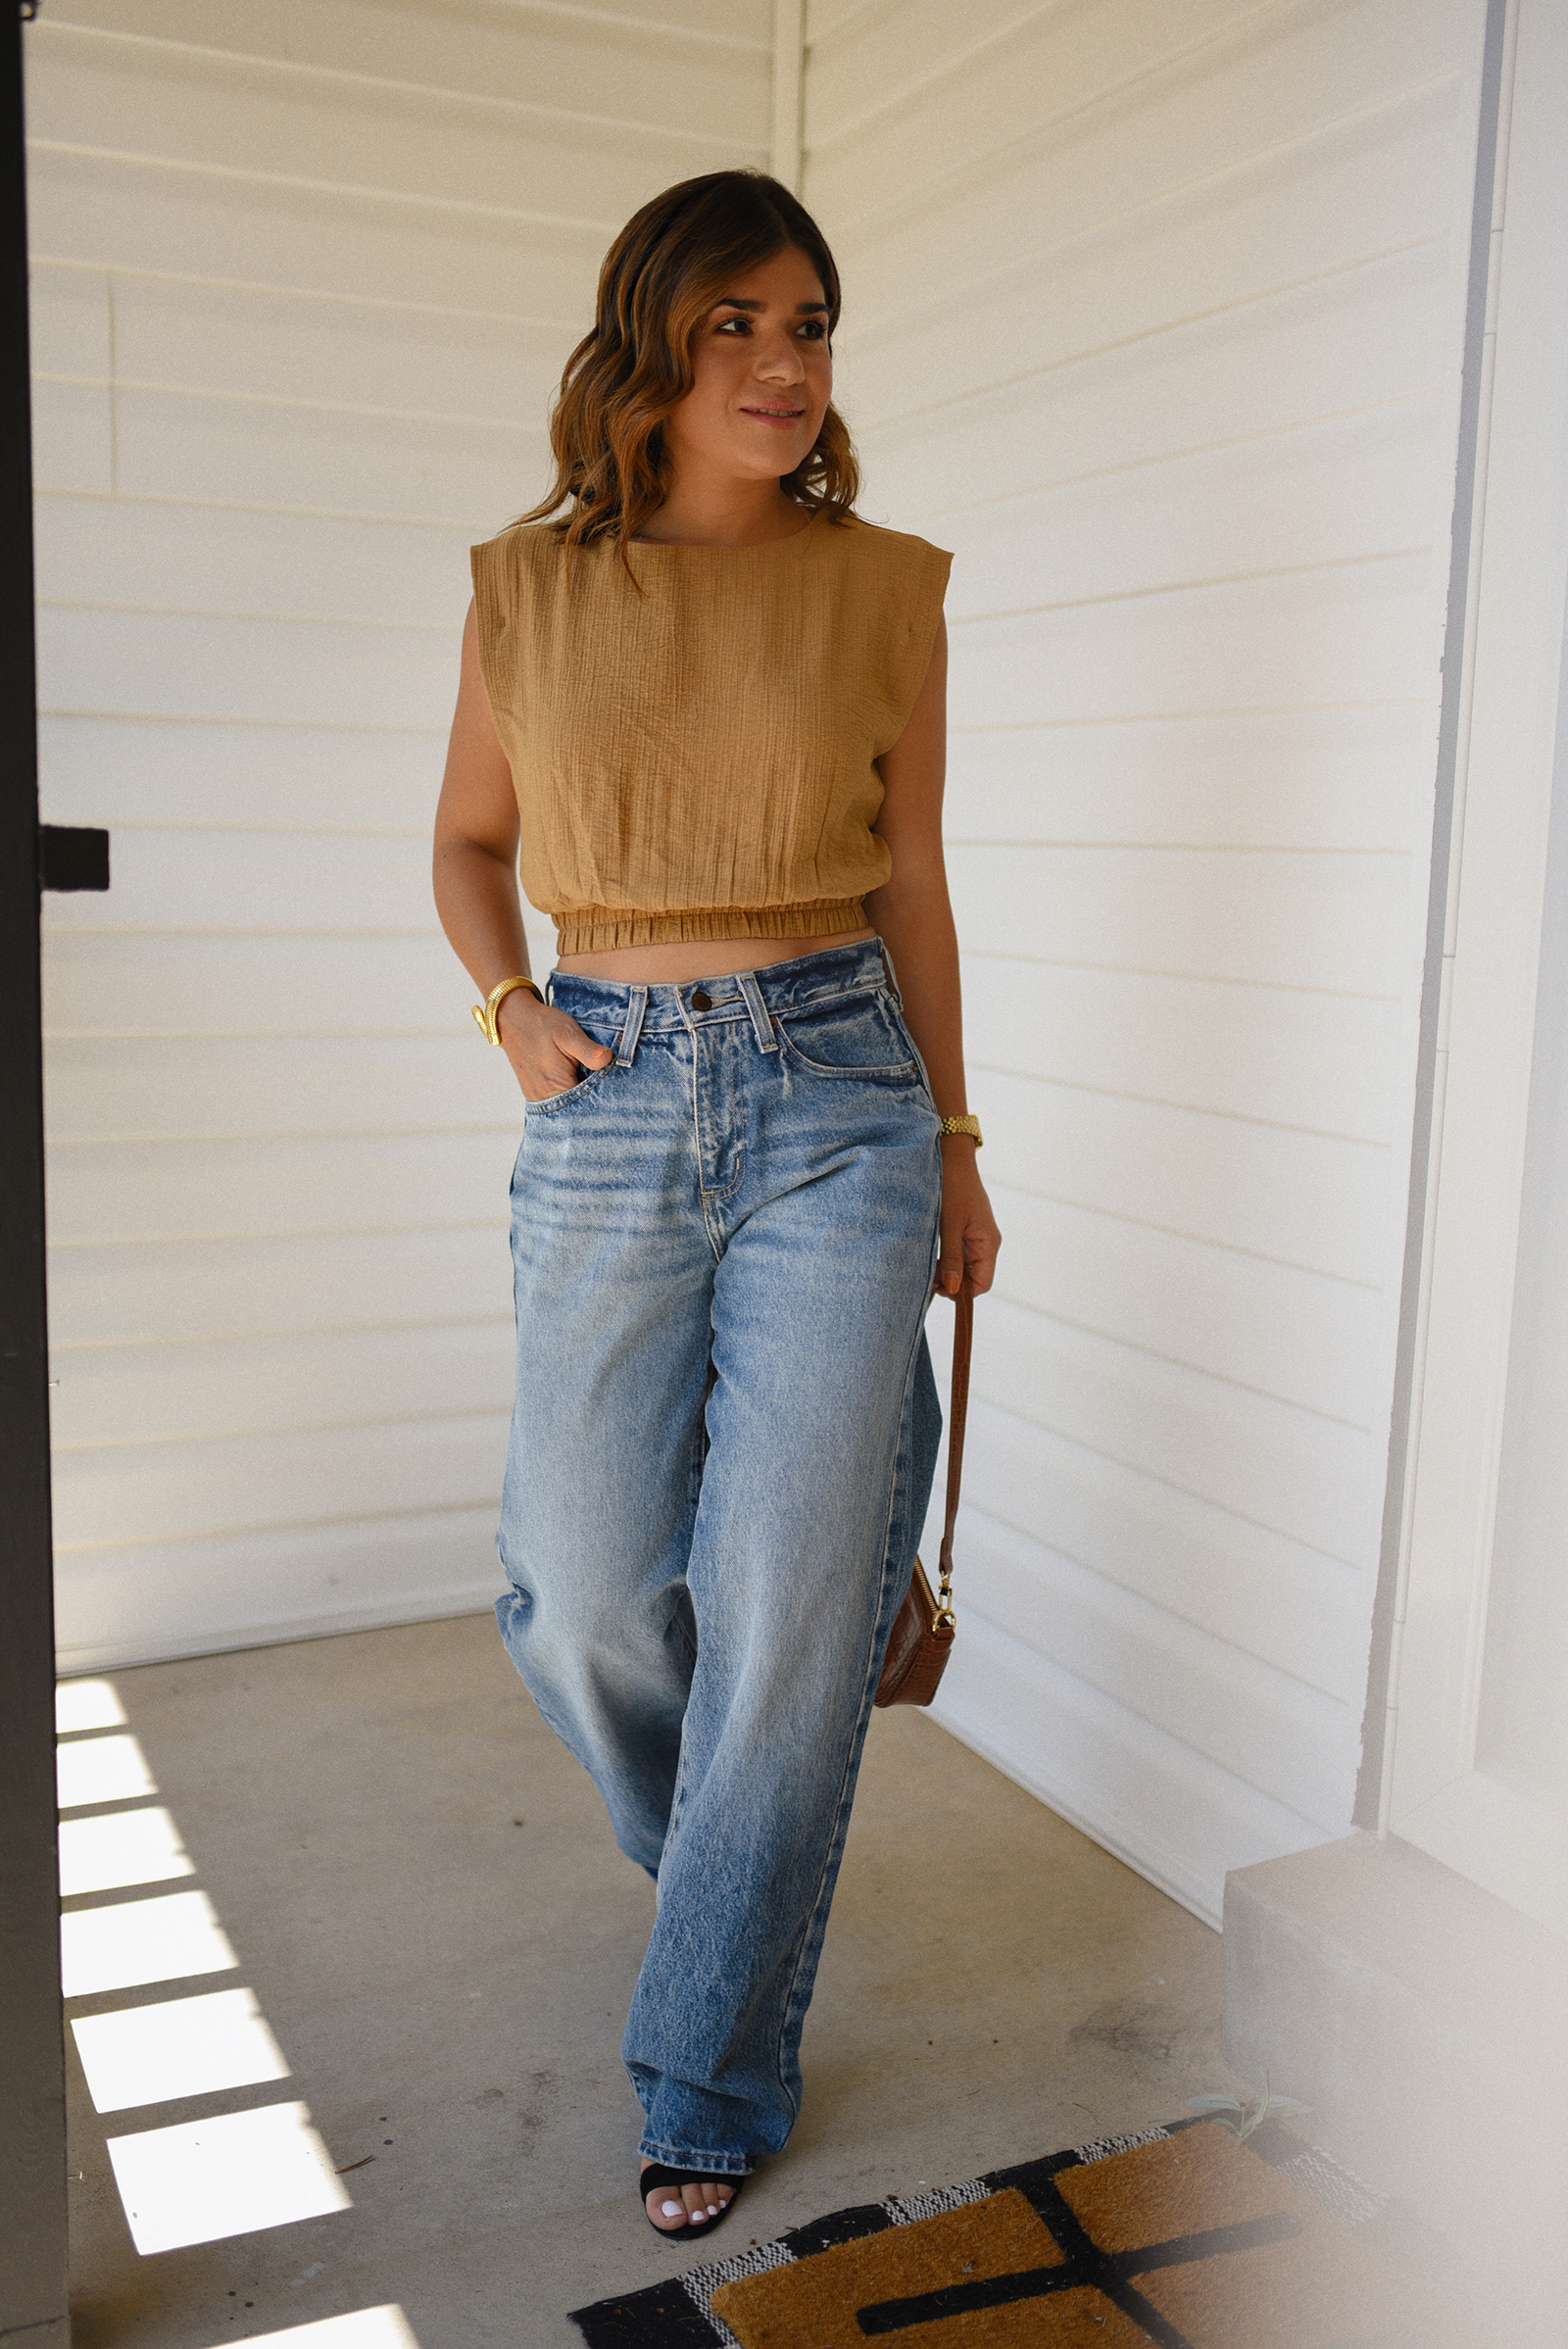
x=73, y=856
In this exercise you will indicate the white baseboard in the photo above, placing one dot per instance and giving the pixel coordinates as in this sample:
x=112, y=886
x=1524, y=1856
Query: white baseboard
x=1174, y=1816
x=150, y=1604
x=1170, y=1813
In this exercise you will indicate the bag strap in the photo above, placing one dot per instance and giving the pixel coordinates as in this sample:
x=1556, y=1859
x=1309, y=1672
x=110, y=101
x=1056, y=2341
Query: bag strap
x=962, y=1340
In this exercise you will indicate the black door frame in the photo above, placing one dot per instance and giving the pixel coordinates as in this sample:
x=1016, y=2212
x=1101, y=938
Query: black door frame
x=32, y=2105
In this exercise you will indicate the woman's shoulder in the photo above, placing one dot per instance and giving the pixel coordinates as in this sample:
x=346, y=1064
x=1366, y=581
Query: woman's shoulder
x=888, y=594
x=517, y=572
x=869, y=547
x=876, y=538
x=521, y=546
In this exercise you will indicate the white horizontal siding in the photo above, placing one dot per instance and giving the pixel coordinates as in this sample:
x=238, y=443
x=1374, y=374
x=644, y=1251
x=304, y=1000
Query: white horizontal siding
x=253, y=228
x=1267, y=1727
x=237, y=664
x=177, y=553
x=152, y=1290
x=461, y=45
x=1274, y=917
x=159, y=983
x=1153, y=317
x=147, y=1392
x=304, y=279
x=1305, y=777
x=184, y=1491
x=145, y=1600
x=1262, y=1594
x=1309, y=1201
x=1263, y=643
x=263, y=452
x=1288, y=1471
x=1319, y=1060
x=193, y=103
x=278, y=1083
x=144, y=1188
x=1291, y=499
x=1353, y=337
x=1270, y=1328
x=171, y=769
x=257, y=343
x=1151, y=1797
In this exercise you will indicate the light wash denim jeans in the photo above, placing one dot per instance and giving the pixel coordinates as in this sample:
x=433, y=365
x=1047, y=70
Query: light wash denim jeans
x=720, y=1457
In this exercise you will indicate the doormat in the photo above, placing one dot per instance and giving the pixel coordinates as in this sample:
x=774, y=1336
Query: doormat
x=1182, y=2236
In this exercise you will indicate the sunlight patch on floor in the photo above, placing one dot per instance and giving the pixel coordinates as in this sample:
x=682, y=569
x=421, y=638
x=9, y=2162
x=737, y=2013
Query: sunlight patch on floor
x=111, y=1769
x=233, y=2174
x=124, y=1847
x=367, y=2328
x=140, y=1942
x=183, y=2047
x=86, y=1704
x=229, y=2174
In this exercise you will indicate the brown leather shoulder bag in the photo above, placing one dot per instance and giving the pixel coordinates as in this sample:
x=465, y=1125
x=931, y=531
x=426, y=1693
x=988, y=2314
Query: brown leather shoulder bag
x=923, y=1632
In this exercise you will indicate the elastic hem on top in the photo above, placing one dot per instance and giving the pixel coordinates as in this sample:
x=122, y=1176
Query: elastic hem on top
x=598, y=929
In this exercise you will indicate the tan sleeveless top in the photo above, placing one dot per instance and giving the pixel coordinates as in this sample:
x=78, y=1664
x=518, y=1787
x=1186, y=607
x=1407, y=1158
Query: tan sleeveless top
x=698, y=762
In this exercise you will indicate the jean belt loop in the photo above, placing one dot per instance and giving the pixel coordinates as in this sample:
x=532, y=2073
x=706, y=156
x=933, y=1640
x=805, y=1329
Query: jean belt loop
x=766, y=1041
x=626, y=1042
x=887, y=965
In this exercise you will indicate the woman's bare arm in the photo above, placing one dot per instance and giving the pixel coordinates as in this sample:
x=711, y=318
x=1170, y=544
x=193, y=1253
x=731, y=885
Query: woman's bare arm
x=475, y=870
x=912, y=912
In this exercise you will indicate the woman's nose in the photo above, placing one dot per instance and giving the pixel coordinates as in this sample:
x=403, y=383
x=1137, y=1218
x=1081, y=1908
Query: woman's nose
x=780, y=361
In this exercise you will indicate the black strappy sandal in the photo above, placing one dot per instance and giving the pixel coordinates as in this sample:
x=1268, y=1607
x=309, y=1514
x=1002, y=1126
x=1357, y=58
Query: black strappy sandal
x=656, y=2175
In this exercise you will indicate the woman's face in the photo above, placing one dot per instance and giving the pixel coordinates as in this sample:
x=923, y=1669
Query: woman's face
x=763, y=376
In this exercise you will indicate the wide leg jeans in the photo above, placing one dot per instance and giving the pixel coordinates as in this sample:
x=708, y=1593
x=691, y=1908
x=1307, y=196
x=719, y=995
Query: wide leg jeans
x=721, y=1457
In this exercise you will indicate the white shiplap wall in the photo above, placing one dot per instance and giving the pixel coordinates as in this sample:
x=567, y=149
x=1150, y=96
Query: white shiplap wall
x=305, y=275
x=1154, y=314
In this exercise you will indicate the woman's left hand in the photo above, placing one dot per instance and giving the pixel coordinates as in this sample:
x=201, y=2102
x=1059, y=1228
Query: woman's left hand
x=969, y=1235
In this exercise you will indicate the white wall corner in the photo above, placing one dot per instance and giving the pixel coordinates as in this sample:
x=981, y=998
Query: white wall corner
x=1416, y=2016
x=789, y=80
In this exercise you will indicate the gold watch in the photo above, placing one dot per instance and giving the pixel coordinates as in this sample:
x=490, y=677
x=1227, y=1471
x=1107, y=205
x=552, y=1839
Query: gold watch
x=964, y=1125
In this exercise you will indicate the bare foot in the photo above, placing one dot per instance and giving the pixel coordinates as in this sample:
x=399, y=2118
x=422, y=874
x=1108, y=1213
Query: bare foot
x=673, y=2209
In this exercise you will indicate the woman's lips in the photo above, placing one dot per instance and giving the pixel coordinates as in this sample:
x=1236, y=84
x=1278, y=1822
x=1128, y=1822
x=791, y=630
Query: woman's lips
x=775, y=416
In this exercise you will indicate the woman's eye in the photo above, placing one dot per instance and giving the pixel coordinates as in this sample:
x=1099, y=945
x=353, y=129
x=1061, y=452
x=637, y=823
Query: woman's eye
x=740, y=322
x=814, y=330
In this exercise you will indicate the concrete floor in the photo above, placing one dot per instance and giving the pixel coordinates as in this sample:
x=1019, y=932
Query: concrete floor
x=421, y=1889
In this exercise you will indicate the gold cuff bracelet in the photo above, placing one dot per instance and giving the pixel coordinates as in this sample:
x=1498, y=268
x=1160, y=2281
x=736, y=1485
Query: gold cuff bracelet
x=486, y=1018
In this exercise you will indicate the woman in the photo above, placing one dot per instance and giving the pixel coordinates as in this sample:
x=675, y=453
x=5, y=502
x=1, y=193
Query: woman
x=707, y=705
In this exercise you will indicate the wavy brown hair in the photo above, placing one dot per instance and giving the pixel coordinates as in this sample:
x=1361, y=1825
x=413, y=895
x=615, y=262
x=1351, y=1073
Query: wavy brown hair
x=665, y=271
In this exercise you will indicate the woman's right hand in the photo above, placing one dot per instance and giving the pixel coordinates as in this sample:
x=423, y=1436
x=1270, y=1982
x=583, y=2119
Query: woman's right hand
x=546, y=1048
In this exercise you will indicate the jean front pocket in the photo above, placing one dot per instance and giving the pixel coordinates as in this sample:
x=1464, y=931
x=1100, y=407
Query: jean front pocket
x=858, y=1036
x=588, y=1082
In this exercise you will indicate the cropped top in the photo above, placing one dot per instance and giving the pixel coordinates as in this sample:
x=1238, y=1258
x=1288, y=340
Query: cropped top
x=697, y=760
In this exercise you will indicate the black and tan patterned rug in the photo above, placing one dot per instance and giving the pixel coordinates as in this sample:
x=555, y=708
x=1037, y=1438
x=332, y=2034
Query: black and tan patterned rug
x=1182, y=2236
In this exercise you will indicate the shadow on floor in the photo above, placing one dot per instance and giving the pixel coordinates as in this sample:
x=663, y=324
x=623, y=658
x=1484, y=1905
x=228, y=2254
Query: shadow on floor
x=419, y=1887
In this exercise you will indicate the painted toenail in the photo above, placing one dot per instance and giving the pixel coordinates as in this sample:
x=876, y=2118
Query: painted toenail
x=699, y=2217
x=672, y=2210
